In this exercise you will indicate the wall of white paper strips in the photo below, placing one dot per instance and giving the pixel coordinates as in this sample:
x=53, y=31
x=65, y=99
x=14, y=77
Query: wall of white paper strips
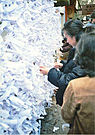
x=29, y=34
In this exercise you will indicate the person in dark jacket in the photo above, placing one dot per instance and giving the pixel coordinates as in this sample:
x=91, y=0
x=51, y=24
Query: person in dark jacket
x=72, y=30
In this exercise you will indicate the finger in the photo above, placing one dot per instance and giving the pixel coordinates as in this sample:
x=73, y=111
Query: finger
x=41, y=69
x=41, y=66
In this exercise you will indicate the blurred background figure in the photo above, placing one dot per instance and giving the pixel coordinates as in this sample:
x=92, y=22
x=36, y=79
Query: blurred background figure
x=93, y=17
x=65, y=48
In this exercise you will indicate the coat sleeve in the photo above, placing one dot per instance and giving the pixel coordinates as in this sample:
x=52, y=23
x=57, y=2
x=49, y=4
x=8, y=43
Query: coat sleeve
x=68, y=109
x=61, y=80
x=68, y=66
x=54, y=76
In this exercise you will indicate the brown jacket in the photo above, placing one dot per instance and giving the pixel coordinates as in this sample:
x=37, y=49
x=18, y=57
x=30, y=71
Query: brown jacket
x=78, y=107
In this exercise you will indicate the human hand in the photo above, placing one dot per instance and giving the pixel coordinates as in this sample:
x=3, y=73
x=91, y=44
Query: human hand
x=58, y=65
x=44, y=70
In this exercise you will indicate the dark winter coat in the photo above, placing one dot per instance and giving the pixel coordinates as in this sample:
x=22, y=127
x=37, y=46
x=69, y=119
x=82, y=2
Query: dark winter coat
x=61, y=78
x=69, y=64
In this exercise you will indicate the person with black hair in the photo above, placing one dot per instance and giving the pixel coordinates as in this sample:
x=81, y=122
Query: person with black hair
x=93, y=17
x=69, y=70
x=66, y=46
x=90, y=25
x=78, y=108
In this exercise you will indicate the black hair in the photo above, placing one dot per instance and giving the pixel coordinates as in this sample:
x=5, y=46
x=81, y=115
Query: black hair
x=73, y=28
x=93, y=15
x=89, y=27
x=86, y=53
